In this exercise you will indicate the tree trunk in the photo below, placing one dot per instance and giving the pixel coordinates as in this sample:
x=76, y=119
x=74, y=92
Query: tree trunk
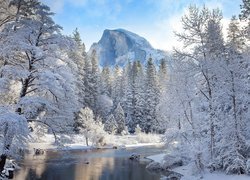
x=87, y=141
x=2, y=162
x=7, y=143
x=211, y=113
x=236, y=123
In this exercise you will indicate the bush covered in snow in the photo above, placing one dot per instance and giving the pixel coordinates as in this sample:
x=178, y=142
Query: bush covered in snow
x=14, y=129
x=138, y=129
x=154, y=166
x=91, y=129
x=248, y=166
x=169, y=162
x=148, y=138
x=234, y=163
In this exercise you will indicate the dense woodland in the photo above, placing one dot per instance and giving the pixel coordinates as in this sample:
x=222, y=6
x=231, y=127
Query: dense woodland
x=200, y=97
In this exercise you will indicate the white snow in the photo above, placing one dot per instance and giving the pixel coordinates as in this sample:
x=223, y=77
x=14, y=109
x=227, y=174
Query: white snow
x=77, y=142
x=143, y=144
x=221, y=176
x=157, y=158
x=188, y=173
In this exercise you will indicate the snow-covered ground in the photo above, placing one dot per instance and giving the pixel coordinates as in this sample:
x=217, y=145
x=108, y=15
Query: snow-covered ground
x=188, y=174
x=73, y=142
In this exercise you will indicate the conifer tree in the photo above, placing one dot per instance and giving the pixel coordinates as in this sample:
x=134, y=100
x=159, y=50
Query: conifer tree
x=95, y=81
x=106, y=87
x=88, y=100
x=110, y=124
x=139, y=94
x=117, y=85
x=120, y=118
x=151, y=97
x=78, y=55
x=162, y=75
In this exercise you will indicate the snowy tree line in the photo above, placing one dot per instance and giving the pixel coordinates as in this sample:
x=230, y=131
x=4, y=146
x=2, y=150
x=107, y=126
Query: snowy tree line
x=133, y=90
x=207, y=98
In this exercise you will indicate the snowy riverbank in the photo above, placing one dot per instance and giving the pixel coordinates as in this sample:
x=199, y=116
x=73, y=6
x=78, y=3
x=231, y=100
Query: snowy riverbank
x=77, y=142
x=188, y=174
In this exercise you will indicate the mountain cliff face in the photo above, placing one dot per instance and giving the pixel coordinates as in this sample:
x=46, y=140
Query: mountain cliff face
x=120, y=46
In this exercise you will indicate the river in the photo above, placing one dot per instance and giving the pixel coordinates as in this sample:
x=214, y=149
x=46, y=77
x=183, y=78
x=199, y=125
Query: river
x=99, y=164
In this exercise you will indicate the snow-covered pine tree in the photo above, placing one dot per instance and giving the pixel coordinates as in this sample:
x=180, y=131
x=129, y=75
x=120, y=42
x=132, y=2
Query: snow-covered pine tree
x=134, y=96
x=235, y=35
x=151, y=98
x=162, y=75
x=106, y=76
x=78, y=55
x=92, y=83
x=110, y=124
x=117, y=85
x=95, y=82
x=139, y=94
x=245, y=9
x=87, y=69
x=129, y=96
x=120, y=119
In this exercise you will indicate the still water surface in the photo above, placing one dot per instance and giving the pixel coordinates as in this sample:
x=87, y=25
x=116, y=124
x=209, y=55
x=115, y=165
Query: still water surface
x=109, y=164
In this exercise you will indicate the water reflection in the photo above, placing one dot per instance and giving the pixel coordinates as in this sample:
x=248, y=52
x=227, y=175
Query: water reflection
x=103, y=165
x=33, y=166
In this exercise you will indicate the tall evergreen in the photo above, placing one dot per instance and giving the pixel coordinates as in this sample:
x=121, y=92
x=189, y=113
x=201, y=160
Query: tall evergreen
x=162, y=75
x=151, y=98
x=110, y=124
x=106, y=86
x=78, y=55
x=95, y=81
x=139, y=93
x=117, y=85
x=120, y=118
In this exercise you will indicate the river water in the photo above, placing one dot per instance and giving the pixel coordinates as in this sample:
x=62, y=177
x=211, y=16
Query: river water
x=108, y=164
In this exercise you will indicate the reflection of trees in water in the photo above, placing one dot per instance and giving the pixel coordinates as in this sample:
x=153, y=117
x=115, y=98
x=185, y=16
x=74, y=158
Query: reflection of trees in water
x=132, y=170
x=113, y=169
x=95, y=169
x=72, y=166
x=34, y=167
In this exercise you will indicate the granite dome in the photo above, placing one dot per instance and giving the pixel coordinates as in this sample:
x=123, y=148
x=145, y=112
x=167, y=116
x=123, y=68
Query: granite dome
x=120, y=46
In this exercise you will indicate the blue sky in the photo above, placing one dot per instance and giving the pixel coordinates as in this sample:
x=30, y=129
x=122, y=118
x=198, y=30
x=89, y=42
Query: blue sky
x=153, y=19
